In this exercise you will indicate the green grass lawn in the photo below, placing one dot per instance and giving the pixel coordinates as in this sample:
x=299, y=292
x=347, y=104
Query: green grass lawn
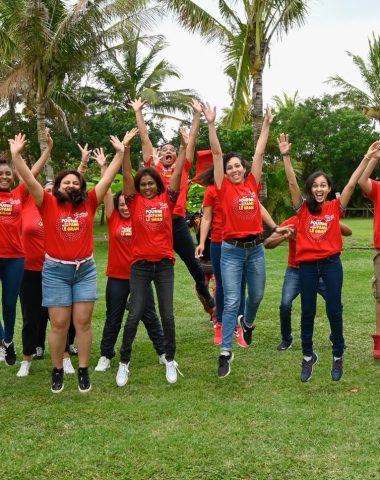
x=260, y=422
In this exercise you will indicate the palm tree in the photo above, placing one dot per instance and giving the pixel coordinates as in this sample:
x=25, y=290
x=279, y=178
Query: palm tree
x=45, y=42
x=367, y=102
x=245, y=34
x=287, y=102
x=128, y=74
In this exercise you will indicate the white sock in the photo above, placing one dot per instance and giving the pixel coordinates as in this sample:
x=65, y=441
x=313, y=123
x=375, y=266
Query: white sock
x=337, y=358
x=225, y=353
x=307, y=358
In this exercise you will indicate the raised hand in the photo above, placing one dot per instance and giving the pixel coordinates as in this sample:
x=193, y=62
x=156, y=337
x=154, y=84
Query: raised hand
x=209, y=112
x=184, y=137
x=129, y=136
x=283, y=144
x=156, y=156
x=85, y=152
x=374, y=150
x=137, y=104
x=98, y=155
x=268, y=116
x=117, y=144
x=49, y=140
x=196, y=106
x=18, y=143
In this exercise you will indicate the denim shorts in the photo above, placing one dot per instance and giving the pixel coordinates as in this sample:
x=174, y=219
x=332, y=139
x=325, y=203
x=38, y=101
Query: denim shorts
x=63, y=285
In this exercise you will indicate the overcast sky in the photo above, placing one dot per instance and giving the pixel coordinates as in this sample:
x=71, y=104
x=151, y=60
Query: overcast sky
x=302, y=61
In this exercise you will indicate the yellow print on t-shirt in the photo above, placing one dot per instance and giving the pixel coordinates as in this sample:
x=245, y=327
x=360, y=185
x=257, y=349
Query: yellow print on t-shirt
x=318, y=226
x=126, y=231
x=70, y=224
x=154, y=215
x=246, y=203
x=5, y=209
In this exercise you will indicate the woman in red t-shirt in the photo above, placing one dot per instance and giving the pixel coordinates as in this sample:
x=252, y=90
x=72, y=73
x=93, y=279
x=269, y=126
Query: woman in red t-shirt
x=151, y=205
x=69, y=281
x=318, y=248
x=120, y=236
x=11, y=249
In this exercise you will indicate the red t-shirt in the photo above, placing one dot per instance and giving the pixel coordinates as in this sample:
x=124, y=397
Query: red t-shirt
x=166, y=175
x=292, y=241
x=68, y=228
x=152, y=227
x=319, y=234
x=375, y=197
x=240, y=208
x=211, y=199
x=10, y=222
x=32, y=235
x=119, y=246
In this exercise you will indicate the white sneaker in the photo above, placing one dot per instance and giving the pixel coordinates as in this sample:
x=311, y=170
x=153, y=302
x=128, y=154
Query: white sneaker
x=103, y=364
x=122, y=374
x=162, y=359
x=171, y=371
x=68, y=366
x=24, y=369
x=2, y=353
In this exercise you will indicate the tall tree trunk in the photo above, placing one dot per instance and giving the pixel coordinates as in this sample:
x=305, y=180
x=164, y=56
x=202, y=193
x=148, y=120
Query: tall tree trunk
x=12, y=112
x=41, y=125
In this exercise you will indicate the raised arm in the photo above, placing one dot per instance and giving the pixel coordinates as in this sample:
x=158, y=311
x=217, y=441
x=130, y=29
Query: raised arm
x=146, y=144
x=175, y=181
x=372, y=153
x=40, y=163
x=16, y=145
x=364, y=181
x=128, y=181
x=285, y=148
x=258, y=158
x=85, y=157
x=105, y=182
x=101, y=159
x=204, y=229
x=194, y=129
x=217, y=154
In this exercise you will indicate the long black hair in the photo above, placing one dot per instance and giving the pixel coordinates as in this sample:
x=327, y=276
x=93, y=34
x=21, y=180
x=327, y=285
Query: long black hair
x=312, y=204
x=207, y=177
x=76, y=197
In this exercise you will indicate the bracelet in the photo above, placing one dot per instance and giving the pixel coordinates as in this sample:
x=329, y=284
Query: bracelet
x=126, y=146
x=366, y=157
x=274, y=229
x=285, y=154
x=83, y=165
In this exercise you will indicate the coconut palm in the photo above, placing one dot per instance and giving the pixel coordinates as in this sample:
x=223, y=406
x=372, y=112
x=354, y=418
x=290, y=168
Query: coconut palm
x=366, y=101
x=130, y=73
x=44, y=42
x=245, y=31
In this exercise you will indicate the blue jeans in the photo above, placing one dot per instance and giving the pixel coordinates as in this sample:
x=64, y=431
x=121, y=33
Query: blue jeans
x=117, y=292
x=215, y=253
x=237, y=262
x=11, y=273
x=142, y=274
x=331, y=272
x=290, y=291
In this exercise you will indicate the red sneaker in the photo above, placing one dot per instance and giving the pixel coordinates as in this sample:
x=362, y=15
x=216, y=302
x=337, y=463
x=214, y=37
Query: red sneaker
x=218, y=334
x=240, y=338
x=376, y=347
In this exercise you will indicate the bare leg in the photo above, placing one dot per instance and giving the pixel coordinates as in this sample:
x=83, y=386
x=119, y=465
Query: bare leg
x=60, y=321
x=82, y=315
x=377, y=312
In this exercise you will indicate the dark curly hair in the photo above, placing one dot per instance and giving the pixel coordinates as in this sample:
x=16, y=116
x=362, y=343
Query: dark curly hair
x=76, y=197
x=152, y=173
x=227, y=156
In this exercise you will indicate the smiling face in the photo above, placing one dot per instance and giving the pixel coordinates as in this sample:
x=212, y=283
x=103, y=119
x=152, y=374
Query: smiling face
x=148, y=186
x=320, y=189
x=122, y=207
x=69, y=183
x=6, y=178
x=234, y=170
x=168, y=154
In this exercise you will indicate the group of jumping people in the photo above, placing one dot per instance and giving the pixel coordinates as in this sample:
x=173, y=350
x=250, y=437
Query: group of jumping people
x=46, y=250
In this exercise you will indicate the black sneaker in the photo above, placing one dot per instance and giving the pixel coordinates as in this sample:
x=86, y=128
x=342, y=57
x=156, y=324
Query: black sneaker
x=307, y=368
x=337, y=369
x=84, y=382
x=10, y=354
x=284, y=345
x=247, y=331
x=224, y=365
x=57, y=384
